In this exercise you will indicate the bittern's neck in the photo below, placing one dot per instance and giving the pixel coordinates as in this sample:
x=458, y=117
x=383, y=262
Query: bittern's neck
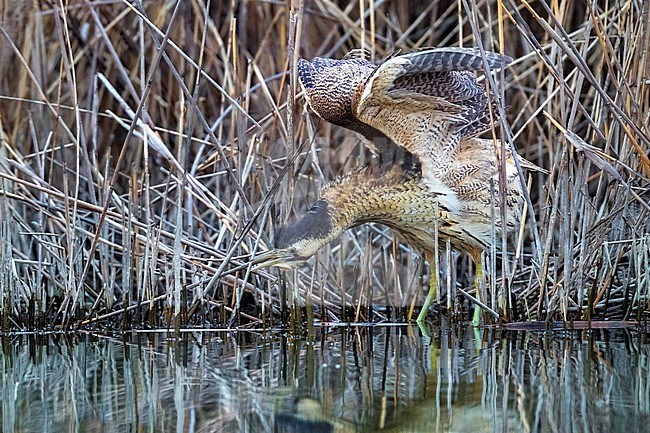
x=370, y=194
x=376, y=193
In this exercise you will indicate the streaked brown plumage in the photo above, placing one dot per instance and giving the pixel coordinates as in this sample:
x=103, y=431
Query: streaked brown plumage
x=425, y=101
x=426, y=104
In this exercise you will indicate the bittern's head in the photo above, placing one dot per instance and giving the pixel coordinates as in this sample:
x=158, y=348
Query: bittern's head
x=298, y=242
x=331, y=86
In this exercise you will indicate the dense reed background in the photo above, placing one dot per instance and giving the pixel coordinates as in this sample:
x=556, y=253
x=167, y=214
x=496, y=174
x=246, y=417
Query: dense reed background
x=148, y=149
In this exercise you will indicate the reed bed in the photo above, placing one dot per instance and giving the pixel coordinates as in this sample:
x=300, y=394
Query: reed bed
x=149, y=150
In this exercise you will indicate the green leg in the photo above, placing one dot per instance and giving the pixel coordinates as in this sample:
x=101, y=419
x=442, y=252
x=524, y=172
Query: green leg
x=477, y=285
x=433, y=289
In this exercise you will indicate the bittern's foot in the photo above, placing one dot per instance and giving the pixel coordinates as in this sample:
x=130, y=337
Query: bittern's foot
x=478, y=282
x=433, y=289
x=424, y=328
x=476, y=318
x=423, y=314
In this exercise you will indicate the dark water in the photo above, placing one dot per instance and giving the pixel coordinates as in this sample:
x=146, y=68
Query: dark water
x=345, y=380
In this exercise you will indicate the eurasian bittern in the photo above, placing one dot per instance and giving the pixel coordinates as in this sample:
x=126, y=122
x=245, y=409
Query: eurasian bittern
x=424, y=111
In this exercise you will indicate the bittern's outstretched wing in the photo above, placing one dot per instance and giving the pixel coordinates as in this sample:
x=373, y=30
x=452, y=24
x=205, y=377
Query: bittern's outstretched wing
x=425, y=101
x=330, y=86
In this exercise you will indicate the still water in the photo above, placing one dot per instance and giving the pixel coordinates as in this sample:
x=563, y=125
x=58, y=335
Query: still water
x=361, y=379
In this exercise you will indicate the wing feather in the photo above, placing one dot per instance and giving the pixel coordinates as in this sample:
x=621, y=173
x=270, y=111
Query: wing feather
x=427, y=101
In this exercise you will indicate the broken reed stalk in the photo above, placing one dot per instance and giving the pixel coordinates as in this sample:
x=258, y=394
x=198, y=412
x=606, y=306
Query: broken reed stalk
x=142, y=148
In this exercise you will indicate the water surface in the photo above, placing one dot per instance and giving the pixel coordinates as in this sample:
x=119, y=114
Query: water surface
x=361, y=379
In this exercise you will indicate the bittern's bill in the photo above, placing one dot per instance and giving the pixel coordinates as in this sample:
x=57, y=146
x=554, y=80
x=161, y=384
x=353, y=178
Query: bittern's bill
x=424, y=111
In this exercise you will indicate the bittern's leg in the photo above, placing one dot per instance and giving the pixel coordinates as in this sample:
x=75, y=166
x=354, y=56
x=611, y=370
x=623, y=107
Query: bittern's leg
x=478, y=279
x=433, y=288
